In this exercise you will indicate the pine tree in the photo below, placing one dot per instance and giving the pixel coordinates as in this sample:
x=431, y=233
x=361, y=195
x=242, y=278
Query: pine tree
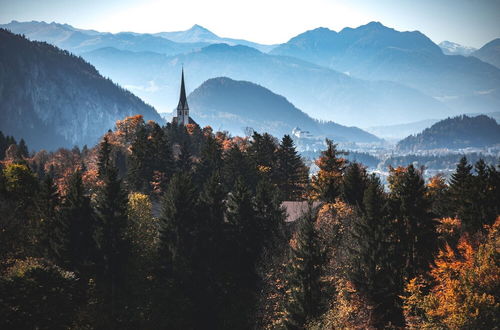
x=140, y=162
x=461, y=193
x=103, y=156
x=238, y=165
x=111, y=211
x=291, y=171
x=354, y=184
x=327, y=183
x=73, y=242
x=372, y=255
x=23, y=149
x=243, y=251
x=304, y=275
x=179, y=250
x=211, y=160
x=411, y=206
x=484, y=205
x=211, y=278
x=162, y=157
x=263, y=153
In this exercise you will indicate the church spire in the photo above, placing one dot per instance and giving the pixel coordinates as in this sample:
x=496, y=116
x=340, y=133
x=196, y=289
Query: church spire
x=183, y=105
x=183, y=108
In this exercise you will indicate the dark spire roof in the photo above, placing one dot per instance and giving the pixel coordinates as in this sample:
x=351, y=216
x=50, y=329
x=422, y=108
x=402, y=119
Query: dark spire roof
x=183, y=104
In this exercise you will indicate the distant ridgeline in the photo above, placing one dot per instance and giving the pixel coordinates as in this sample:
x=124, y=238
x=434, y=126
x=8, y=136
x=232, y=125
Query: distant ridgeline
x=54, y=99
x=454, y=133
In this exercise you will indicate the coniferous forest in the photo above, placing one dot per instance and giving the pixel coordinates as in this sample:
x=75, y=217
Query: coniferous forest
x=185, y=228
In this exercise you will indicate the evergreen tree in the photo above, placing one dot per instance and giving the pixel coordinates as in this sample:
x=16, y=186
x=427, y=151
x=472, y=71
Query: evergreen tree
x=327, y=183
x=263, y=153
x=103, y=156
x=238, y=165
x=411, y=207
x=354, y=184
x=243, y=250
x=303, y=278
x=111, y=211
x=23, y=149
x=212, y=275
x=162, y=157
x=461, y=193
x=373, y=271
x=73, y=242
x=211, y=159
x=484, y=206
x=291, y=172
x=185, y=162
x=140, y=162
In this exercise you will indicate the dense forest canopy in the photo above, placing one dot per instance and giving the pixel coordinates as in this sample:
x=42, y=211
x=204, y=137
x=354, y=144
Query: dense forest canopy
x=455, y=133
x=182, y=227
x=54, y=99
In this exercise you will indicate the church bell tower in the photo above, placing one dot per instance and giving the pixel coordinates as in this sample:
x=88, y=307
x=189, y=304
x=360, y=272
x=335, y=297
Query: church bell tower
x=182, y=107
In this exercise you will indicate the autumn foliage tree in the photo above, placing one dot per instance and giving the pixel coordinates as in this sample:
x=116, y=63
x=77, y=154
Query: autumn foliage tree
x=463, y=286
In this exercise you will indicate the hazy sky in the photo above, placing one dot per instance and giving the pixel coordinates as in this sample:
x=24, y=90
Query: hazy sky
x=469, y=22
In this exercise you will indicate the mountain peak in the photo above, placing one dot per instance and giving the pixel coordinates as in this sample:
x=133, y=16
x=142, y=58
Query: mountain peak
x=199, y=27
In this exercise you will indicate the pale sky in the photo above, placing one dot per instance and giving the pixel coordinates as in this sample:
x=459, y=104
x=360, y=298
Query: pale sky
x=469, y=22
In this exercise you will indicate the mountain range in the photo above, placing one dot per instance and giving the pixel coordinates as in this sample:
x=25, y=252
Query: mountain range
x=376, y=52
x=369, y=76
x=321, y=92
x=54, y=99
x=199, y=34
x=234, y=105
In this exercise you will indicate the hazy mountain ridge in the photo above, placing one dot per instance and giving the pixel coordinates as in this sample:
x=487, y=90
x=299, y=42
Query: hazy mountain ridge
x=455, y=133
x=54, y=99
x=376, y=52
x=79, y=41
x=198, y=33
x=233, y=105
x=489, y=53
x=321, y=92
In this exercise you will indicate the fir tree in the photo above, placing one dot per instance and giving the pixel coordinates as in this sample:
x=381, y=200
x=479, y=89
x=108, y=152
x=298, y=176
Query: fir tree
x=238, y=165
x=139, y=165
x=111, y=211
x=243, y=250
x=103, y=156
x=373, y=271
x=303, y=278
x=411, y=207
x=354, y=184
x=179, y=250
x=73, y=241
x=211, y=159
x=327, y=183
x=263, y=153
x=291, y=171
x=461, y=193
x=23, y=149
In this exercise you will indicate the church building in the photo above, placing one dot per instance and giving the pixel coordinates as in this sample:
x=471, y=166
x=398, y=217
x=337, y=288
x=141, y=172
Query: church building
x=183, y=117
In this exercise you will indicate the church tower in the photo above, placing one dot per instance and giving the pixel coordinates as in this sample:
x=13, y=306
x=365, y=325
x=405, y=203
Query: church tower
x=182, y=107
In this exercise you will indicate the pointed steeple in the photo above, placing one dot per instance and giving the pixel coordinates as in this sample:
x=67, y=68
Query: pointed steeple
x=183, y=105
